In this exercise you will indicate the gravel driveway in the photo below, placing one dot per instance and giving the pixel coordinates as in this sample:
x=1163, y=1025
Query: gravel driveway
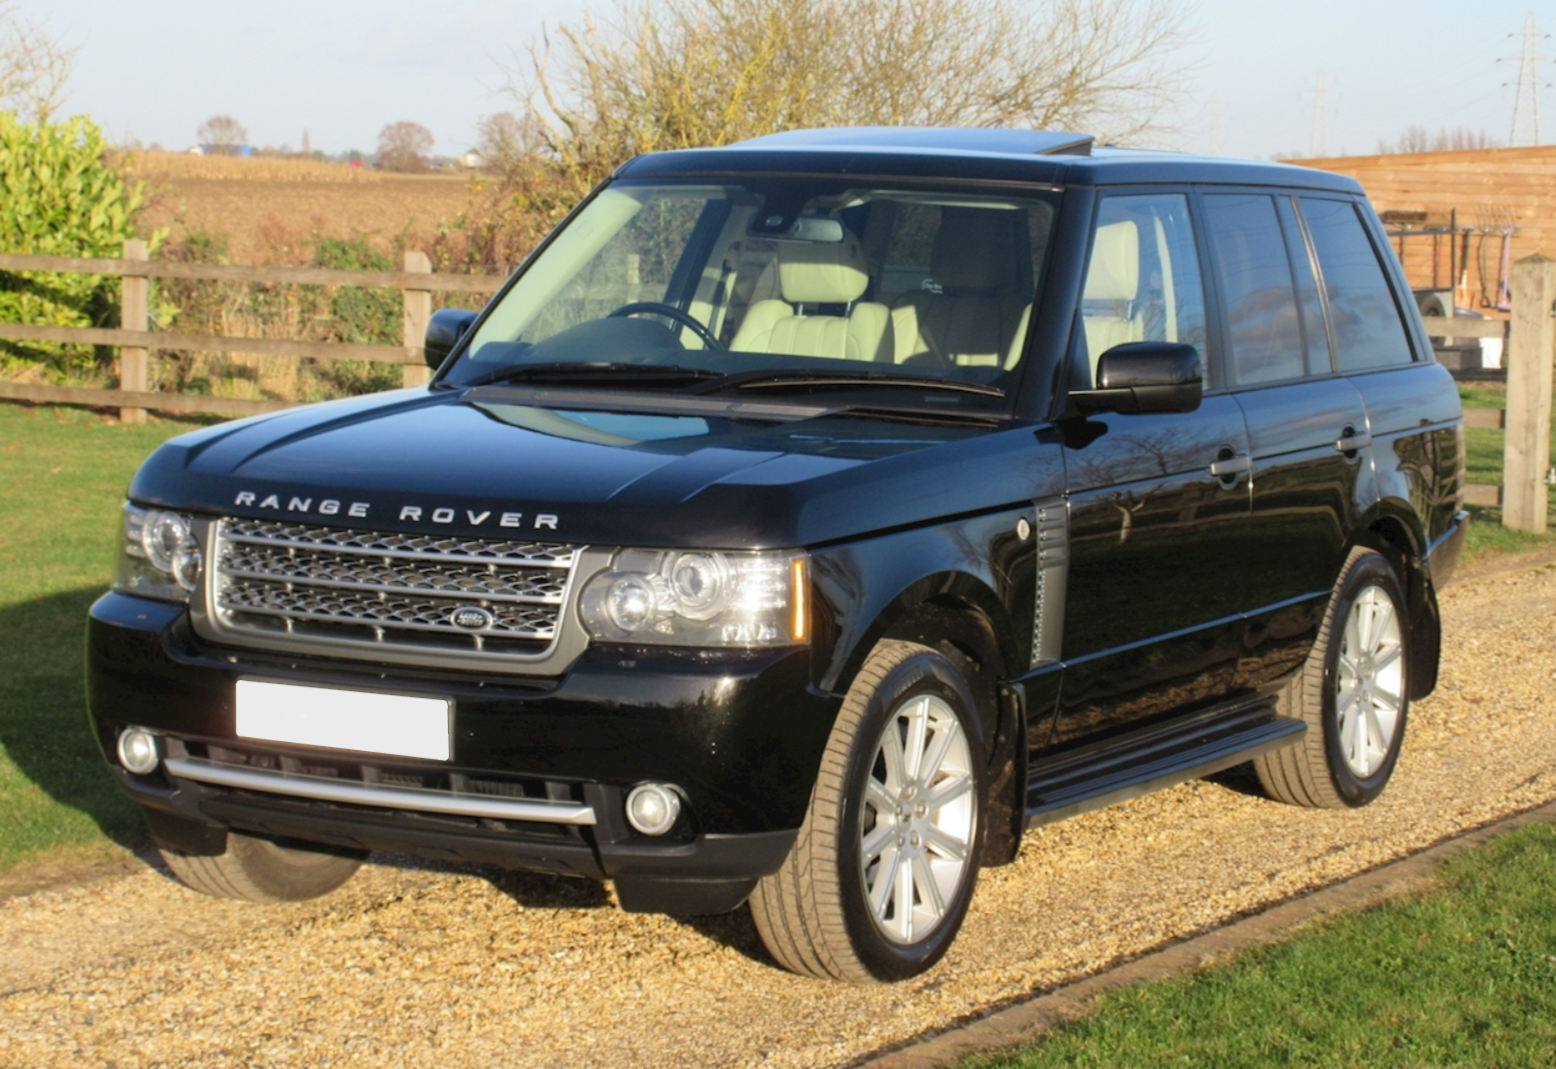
x=410, y=965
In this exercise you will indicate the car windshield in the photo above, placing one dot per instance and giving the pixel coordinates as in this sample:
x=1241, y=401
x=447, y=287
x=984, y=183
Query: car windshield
x=777, y=285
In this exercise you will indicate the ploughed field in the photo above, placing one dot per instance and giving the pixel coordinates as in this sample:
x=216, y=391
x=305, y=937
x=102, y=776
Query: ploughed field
x=415, y=965
x=268, y=209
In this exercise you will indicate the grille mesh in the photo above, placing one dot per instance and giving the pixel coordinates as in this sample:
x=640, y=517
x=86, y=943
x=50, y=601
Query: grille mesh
x=377, y=589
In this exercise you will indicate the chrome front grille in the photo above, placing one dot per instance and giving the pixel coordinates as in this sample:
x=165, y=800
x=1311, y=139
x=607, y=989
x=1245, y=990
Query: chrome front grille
x=297, y=585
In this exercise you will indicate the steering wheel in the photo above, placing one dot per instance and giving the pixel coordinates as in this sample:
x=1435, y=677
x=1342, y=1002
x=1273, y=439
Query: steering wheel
x=669, y=311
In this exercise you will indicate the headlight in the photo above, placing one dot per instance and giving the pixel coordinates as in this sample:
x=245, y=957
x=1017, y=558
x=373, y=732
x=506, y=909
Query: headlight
x=158, y=556
x=700, y=598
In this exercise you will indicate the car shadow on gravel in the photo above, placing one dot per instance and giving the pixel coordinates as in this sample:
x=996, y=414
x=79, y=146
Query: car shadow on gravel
x=44, y=731
x=735, y=930
x=537, y=890
x=1239, y=778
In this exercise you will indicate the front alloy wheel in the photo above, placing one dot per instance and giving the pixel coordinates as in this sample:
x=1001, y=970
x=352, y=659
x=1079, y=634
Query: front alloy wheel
x=918, y=819
x=882, y=872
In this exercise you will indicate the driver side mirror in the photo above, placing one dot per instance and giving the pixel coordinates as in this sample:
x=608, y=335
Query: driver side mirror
x=444, y=330
x=1145, y=376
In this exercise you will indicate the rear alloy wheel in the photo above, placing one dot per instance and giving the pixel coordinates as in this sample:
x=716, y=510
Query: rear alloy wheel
x=881, y=875
x=255, y=869
x=1353, y=692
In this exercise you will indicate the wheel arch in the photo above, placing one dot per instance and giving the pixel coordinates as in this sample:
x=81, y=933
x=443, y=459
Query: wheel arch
x=960, y=616
x=1393, y=529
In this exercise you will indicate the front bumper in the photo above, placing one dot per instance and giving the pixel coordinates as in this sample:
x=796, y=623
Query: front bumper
x=741, y=734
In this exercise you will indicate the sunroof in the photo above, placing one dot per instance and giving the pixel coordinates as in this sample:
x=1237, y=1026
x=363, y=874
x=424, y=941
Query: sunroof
x=957, y=139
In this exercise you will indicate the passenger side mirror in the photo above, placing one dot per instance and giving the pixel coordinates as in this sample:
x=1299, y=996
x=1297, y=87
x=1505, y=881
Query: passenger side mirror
x=444, y=330
x=1145, y=376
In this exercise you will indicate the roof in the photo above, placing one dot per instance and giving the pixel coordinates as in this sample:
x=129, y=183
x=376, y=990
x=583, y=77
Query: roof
x=940, y=138
x=1040, y=157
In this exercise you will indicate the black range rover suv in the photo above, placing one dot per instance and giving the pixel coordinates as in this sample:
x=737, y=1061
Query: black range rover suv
x=804, y=520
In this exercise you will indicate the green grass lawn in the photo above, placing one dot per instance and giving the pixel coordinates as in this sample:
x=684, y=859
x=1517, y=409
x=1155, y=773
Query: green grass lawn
x=1463, y=977
x=63, y=474
x=1483, y=448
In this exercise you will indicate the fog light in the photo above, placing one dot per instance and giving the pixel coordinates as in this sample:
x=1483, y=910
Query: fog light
x=138, y=751
x=653, y=807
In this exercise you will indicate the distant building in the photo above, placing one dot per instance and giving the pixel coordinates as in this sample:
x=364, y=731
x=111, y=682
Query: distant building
x=1488, y=208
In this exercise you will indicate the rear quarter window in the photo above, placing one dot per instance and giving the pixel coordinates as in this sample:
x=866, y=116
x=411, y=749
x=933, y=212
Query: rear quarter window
x=1364, y=318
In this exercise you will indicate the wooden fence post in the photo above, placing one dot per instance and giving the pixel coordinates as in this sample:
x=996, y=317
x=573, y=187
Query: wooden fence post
x=418, y=312
x=1527, y=455
x=134, y=314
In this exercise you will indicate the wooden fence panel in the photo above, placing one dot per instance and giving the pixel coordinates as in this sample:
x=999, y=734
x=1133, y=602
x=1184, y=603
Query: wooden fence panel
x=214, y=343
x=417, y=283
x=302, y=276
x=185, y=403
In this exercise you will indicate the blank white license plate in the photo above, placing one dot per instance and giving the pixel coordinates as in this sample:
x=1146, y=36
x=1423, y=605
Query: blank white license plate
x=344, y=719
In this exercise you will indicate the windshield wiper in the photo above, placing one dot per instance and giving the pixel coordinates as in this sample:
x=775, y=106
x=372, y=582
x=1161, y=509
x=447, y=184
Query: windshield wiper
x=777, y=379
x=614, y=372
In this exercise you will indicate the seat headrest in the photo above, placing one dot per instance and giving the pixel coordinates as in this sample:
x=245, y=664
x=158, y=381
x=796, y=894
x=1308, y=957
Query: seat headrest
x=816, y=272
x=974, y=249
x=1114, y=274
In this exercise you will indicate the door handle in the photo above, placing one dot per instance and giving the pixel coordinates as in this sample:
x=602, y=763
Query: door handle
x=1227, y=466
x=1350, y=441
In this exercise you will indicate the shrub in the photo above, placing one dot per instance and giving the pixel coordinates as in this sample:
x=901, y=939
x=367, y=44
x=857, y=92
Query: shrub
x=62, y=198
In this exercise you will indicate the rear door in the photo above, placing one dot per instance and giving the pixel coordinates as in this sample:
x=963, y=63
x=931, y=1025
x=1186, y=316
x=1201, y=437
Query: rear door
x=1412, y=405
x=1307, y=426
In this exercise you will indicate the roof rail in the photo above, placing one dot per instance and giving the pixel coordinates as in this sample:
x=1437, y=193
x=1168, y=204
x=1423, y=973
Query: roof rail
x=944, y=138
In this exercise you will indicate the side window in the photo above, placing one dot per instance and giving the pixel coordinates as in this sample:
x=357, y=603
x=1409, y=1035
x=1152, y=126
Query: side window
x=1143, y=281
x=1263, y=328
x=1362, y=313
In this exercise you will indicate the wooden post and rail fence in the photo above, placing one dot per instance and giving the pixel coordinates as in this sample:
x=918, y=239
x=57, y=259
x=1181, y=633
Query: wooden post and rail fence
x=417, y=283
x=1530, y=341
x=1528, y=356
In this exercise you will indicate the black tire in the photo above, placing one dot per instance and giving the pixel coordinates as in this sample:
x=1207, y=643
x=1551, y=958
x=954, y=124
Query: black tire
x=255, y=869
x=1325, y=770
x=814, y=913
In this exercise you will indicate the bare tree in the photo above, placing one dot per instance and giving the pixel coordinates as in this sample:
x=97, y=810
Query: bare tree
x=1417, y=139
x=34, y=66
x=506, y=137
x=223, y=133
x=404, y=146
x=663, y=74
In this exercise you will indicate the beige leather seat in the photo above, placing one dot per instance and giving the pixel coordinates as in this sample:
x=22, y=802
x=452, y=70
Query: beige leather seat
x=812, y=274
x=980, y=315
x=1110, y=305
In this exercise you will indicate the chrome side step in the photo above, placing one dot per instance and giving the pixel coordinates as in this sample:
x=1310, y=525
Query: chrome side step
x=415, y=799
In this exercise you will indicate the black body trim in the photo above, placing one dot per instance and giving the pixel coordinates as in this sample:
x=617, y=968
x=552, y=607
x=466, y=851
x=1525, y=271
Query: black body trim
x=1117, y=770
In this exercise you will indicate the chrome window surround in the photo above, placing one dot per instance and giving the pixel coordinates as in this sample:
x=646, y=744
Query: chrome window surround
x=387, y=597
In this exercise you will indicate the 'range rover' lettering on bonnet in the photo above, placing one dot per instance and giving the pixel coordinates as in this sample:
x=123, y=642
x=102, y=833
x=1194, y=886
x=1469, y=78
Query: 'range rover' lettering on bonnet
x=543, y=521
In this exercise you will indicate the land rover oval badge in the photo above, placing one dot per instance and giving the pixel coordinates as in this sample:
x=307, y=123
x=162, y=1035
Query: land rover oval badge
x=472, y=618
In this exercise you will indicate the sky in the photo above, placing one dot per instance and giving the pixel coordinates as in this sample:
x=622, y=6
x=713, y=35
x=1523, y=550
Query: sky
x=153, y=71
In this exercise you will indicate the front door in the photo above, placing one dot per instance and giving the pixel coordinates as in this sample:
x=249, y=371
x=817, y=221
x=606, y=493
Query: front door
x=1159, y=503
